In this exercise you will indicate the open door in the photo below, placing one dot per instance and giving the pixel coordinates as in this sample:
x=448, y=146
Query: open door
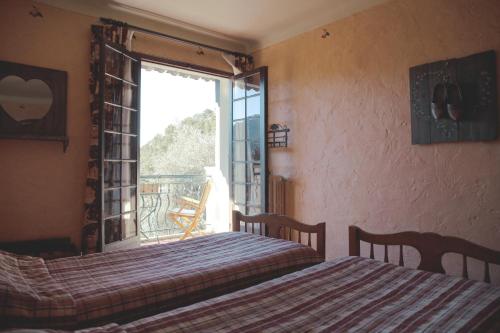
x=119, y=142
x=248, y=155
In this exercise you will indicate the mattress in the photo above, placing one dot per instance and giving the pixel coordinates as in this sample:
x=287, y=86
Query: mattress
x=349, y=294
x=121, y=286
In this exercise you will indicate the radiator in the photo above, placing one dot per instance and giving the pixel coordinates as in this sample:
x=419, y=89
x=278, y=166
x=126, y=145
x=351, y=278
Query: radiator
x=277, y=190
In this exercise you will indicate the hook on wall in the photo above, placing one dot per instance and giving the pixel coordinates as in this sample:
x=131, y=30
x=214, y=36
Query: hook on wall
x=35, y=12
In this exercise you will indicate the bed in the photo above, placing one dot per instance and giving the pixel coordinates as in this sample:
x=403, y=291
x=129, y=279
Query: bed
x=123, y=285
x=351, y=294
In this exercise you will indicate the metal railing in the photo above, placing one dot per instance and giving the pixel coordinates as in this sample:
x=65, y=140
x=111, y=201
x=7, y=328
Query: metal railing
x=159, y=194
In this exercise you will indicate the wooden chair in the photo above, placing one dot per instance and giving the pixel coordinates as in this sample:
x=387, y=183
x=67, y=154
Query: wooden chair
x=190, y=212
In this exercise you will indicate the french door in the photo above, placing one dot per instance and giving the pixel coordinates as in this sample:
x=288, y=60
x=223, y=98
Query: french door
x=248, y=154
x=119, y=142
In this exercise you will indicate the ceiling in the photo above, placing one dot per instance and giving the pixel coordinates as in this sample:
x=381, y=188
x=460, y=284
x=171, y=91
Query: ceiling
x=254, y=23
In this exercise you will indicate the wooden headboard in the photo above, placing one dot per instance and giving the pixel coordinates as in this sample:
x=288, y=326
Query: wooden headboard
x=431, y=247
x=280, y=226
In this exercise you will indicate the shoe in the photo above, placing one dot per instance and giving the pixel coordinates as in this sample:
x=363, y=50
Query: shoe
x=439, y=101
x=454, y=101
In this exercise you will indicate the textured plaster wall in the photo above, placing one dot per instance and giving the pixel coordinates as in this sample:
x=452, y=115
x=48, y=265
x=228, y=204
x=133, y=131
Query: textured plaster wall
x=42, y=188
x=346, y=100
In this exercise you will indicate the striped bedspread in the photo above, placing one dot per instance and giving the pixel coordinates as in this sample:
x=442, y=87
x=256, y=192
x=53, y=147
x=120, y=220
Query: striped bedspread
x=349, y=294
x=124, y=285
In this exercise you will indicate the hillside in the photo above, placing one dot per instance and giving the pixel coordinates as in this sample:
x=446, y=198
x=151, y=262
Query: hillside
x=184, y=148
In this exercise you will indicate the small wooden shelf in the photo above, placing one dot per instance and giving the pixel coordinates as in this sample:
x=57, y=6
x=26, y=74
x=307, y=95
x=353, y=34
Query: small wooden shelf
x=63, y=139
x=277, y=136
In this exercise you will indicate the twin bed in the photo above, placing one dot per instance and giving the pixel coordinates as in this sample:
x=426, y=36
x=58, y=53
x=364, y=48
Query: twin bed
x=291, y=288
x=120, y=286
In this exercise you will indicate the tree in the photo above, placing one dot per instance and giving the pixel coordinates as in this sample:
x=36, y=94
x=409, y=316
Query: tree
x=184, y=148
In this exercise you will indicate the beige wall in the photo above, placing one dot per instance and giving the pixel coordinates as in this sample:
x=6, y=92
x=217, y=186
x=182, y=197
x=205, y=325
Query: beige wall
x=346, y=100
x=42, y=188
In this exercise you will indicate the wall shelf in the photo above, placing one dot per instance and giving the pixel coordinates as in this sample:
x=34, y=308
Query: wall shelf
x=63, y=139
x=277, y=136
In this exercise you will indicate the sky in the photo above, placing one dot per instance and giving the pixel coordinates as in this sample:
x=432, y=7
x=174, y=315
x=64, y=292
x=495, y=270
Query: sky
x=167, y=99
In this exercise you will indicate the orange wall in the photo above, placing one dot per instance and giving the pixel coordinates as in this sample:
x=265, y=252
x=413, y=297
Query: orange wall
x=346, y=100
x=42, y=187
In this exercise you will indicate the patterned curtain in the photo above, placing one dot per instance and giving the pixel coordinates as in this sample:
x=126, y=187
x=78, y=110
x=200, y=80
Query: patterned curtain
x=91, y=227
x=117, y=35
x=239, y=64
x=244, y=64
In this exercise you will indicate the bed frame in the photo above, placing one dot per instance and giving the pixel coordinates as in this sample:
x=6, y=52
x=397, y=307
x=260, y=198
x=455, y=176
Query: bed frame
x=431, y=247
x=50, y=248
x=283, y=227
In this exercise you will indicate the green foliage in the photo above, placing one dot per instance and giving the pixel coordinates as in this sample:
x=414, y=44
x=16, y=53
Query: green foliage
x=185, y=148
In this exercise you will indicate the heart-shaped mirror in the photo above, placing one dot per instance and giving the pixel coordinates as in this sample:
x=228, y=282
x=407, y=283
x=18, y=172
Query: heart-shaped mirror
x=25, y=101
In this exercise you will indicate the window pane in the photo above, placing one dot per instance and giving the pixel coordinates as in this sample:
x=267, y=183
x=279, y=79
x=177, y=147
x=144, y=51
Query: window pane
x=247, y=143
x=112, y=230
x=253, y=106
x=112, y=118
x=239, y=151
x=130, y=96
x=239, y=172
x=129, y=121
x=128, y=199
x=112, y=144
x=129, y=224
x=253, y=128
x=239, y=110
x=112, y=61
x=129, y=147
x=112, y=90
x=130, y=70
x=129, y=173
x=254, y=211
x=239, y=194
x=239, y=130
x=253, y=151
x=254, y=175
x=111, y=174
x=253, y=84
x=253, y=195
x=238, y=89
x=111, y=202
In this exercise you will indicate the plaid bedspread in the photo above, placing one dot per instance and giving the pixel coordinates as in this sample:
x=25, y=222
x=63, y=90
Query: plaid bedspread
x=349, y=294
x=29, y=294
x=124, y=285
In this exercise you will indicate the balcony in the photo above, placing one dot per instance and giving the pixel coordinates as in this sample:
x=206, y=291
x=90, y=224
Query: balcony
x=161, y=193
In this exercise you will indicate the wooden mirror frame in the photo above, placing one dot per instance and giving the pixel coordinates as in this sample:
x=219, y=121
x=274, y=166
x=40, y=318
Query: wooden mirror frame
x=52, y=127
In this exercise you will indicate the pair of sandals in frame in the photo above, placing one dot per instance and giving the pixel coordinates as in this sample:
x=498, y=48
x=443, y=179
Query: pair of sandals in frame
x=447, y=99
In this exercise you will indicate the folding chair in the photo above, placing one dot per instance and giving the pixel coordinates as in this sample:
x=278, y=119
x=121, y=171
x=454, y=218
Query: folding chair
x=190, y=212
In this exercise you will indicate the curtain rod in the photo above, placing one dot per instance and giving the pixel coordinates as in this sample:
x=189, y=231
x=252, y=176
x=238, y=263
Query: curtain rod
x=181, y=40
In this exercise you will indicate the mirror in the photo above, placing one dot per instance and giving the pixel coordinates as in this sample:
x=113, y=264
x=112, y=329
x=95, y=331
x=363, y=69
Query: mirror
x=33, y=103
x=25, y=101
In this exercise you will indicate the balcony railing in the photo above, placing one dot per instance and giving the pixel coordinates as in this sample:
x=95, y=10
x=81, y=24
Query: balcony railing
x=159, y=194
